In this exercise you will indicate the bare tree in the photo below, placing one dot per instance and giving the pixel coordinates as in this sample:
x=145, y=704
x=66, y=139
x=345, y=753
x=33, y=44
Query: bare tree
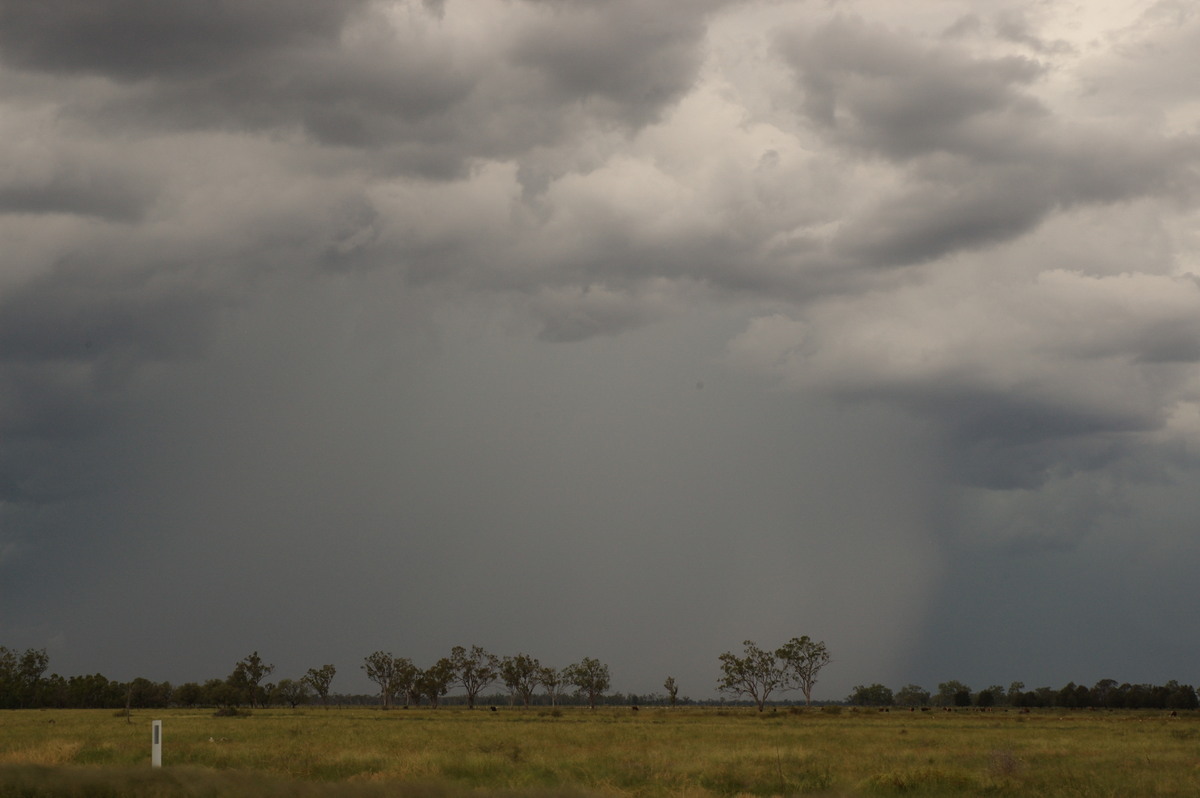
x=672, y=689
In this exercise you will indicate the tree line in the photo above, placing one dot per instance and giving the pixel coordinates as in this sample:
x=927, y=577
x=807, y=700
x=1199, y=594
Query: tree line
x=24, y=683
x=1104, y=694
x=755, y=675
x=476, y=669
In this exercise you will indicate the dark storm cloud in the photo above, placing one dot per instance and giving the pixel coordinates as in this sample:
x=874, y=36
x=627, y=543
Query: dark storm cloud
x=141, y=39
x=1007, y=442
x=636, y=56
x=44, y=404
x=71, y=315
x=246, y=72
x=389, y=82
x=406, y=297
x=78, y=188
x=71, y=341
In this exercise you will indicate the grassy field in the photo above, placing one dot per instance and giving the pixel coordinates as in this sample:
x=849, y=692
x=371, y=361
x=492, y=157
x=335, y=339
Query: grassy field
x=574, y=751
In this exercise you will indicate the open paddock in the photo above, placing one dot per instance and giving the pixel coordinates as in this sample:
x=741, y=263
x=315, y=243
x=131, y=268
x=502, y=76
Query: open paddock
x=693, y=751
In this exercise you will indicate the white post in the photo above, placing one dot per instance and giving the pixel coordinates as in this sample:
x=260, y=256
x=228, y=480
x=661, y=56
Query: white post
x=156, y=744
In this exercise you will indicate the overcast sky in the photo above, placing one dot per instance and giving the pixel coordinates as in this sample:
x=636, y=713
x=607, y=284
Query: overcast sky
x=619, y=329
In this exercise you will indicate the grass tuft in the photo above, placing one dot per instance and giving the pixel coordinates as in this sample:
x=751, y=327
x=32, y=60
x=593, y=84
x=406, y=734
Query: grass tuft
x=925, y=781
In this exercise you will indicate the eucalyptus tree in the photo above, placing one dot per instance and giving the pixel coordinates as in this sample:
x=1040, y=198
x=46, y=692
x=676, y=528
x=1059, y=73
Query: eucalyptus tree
x=759, y=673
x=319, y=680
x=552, y=680
x=953, y=693
x=292, y=692
x=406, y=681
x=590, y=677
x=474, y=670
x=521, y=675
x=247, y=678
x=875, y=695
x=381, y=668
x=912, y=695
x=803, y=658
x=434, y=682
x=756, y=674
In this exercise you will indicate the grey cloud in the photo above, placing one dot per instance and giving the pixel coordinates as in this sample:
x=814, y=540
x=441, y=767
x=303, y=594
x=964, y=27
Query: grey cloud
x=638, y=57
x=255, y=66
x=965, y=25
x=70, y=344
x=575, y=315
x=1006, y=442
x=1146, y=69
x=75, y=186
x=387, y=96
x=873, y=88
x=976, y=204
x=46, y=404
x=71, y=315
x=353, y=232
x=138, y=39
x=927, y=222
x=401, y=90
x=388, y=285
x=48, y=413
x=1054, y=372
x=987, y=162
x=1013, y=25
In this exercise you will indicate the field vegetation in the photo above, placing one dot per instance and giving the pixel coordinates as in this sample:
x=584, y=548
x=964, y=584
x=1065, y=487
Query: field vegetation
x=692, y=751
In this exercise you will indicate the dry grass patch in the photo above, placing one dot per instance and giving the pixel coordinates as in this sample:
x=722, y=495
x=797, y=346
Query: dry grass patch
x=51, y=752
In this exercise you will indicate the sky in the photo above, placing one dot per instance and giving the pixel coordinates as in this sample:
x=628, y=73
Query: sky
x=617, y=329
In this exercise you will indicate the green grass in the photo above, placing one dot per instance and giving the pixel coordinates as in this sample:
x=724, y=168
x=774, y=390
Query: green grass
x=656, y=752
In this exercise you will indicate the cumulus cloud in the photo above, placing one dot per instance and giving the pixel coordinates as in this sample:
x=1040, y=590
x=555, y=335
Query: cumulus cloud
x=984, y=160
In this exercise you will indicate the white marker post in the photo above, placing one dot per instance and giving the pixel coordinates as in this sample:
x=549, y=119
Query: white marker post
x=156, y=744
